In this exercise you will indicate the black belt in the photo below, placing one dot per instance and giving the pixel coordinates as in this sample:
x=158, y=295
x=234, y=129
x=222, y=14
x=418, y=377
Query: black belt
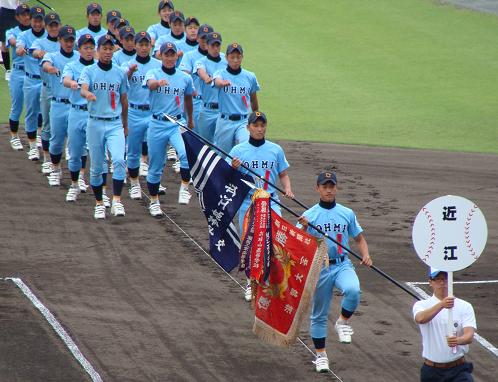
x=79, y=107
x=105, y=119
x=140, y=107
x=44, y=84
x=234, y=117
x=18, y=67
x=197, y=97
x=34, y=76
x=337, y=260
x=159, y=117
x=211, y=105
x=60, y=100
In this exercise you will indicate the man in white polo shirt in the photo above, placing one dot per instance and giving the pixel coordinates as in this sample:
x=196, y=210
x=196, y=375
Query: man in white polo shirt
x=441, y=361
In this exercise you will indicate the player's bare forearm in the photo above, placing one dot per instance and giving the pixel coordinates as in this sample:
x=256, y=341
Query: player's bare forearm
x=286, y=182
x=38, y=54
x=86, y=94
x=68, y=82
x=48, y=68
x=155, y=84
x=21, y=51
x=254, y=102
x=221, y=83
x=361, y=242
x=189, y=108
x=427, y=315
x=465, y=339
x=204, y=76
x=12, y=42
x=124, y=110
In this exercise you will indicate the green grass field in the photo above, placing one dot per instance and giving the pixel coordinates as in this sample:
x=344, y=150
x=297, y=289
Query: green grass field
x=405, y=73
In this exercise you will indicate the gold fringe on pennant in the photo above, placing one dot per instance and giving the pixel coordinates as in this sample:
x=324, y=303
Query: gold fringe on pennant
x=272, y=336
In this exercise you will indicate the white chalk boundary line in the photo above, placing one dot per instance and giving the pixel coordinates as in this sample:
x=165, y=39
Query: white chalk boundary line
x=61, y=332
x=483, y=341
x=459, y=282
x=226, y=273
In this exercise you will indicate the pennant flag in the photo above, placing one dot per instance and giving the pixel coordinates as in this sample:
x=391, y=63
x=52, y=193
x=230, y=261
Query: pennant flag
x=221, y=192
x=295, y=261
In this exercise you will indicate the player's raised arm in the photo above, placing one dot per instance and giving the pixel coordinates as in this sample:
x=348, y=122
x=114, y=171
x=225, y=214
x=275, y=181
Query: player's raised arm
x=87, y=94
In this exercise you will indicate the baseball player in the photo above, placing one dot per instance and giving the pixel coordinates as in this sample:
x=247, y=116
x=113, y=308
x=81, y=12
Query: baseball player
x=78, y=117
x=139, y=109
x=340, y=223
x=32, y=81
x=205, y=69
x=111, y=18
x=94, y=16
x=164, y=9
x=17, y=74
x=127, y=39
x=105, y=88
x=265, y=158
x=236, y=97
x=190, y=43
x=170, y=91
x=41, y=47
x=9, y=20
x=53, y=64
x=176, y=35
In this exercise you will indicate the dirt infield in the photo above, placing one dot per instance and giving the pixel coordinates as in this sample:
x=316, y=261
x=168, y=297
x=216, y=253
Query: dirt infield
x=144, y=303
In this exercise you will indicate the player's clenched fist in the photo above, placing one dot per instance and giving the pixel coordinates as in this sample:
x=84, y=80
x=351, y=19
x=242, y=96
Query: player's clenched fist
x=90, y=97
x=163, y=83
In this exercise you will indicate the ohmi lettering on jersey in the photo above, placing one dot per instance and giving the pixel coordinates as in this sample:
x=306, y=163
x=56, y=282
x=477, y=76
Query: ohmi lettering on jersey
x=106, y=86
x=235, y=90
x=170, y=91
x=331, y=227
x=264, y=164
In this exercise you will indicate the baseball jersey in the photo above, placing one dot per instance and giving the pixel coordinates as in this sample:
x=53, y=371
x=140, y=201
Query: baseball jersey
x=339, y=222
x=95, y=34
x=269, y=157
x=168, y=99
x=15, y=33
x=434, y=332
x=73, y=70
x=108, y=86
x=211, y=66
x=122, y=56
x=157, y=30
x=49, y=45
x=187, y=46
x=236, y=98
x=137, y=94
x=59, y=60
x=187, y=64
x=27, y=40
x=168, y=38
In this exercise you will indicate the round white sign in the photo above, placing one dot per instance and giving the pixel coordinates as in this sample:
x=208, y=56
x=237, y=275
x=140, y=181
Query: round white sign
x=449, y=233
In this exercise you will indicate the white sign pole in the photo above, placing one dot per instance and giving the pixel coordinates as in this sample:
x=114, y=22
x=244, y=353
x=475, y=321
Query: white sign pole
x=451, y=328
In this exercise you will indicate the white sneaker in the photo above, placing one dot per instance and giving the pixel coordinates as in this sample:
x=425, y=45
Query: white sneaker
x=322, y=363
x=117, y=209
x=33, y=154
x=46, y=168
x=144, y=169
x=54, y=179
x=248, y=293
x=66, y=154
x=39, y=141
x=7, y=75
x=162, y=190
x=155, y=209
x=106, y=200
x=176, y=166
x=82, y=184
x=15, y=143
x=99, y=211
x=184, y=195
x=72, y=194
x=135, y=191
x=111, y=168
x=172, y=154
x=344, y=331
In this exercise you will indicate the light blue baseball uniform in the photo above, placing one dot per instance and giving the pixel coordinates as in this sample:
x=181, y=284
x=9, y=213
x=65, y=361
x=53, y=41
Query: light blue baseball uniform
x=187, y=46
x=105, y=127
x=122, y=56
x=60, y=103
x=166, y=99
x=187, y=65
x=341, y=224
x=139, y=113
x=177, y=40
x=268, y=161
x=95, y=34
x=234, y=102
x=17, y=75
x=32, y=81
x=49, y=45
x=157, y=30
x=210, y=106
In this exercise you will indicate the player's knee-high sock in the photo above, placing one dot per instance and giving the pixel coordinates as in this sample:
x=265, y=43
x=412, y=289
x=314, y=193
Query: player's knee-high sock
x=133, y=172
x=83, y=161
x=153, y=189
x=319, y=343
x=117, y=187
x=185, y=174
x=6, y=59
x=97, y=191
x=14, y=126
x=55, y=159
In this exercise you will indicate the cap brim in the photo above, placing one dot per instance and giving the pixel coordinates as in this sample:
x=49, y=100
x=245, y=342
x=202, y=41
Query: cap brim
x=38, y=16
x=211, y=42
x=325, y=181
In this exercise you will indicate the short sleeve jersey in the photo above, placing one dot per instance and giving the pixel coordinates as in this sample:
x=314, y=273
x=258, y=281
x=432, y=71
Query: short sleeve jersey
x=14, y=33
x=137, y=94
x=167, y=38
x=209, y=92
x=339, y=222
x=187, y=65
x=95, y=35
x=236, y=98
x=108, y=86
x=121, y=57
x=49, y=46
x=73, y=70
x=157, y=30
x=27, y=39
x=58, y=60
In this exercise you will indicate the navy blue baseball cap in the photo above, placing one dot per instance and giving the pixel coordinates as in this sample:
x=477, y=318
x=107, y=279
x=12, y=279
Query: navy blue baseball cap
x=204, y=30
x=23, y=8
x=67, y=32
x=118, y=23
x=165, y=3
x=93, y=7
x=143, y=35
x=175, y=16
x=127, y=31
x=433, y=272
x=167, y=46
x=51, y=18
x=255, y=115
x=113, y=15
x=213, y=37
x=84, y=38
x=235, y=47
x=192, y=20
x=325, y=177
x=105, y=39
x=37, y=12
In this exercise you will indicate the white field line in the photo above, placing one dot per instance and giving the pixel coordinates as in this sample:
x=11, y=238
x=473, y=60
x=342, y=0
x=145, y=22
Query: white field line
x=483, y=341
x=458, y=282
x=61, y=332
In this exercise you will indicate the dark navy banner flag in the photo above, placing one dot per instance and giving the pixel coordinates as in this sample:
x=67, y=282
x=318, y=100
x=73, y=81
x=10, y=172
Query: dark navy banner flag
x=221, y=192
